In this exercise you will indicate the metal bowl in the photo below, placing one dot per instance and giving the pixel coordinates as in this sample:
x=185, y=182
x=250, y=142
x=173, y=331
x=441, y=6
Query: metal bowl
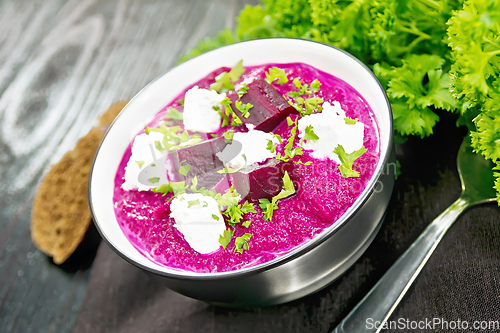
x=308, y=268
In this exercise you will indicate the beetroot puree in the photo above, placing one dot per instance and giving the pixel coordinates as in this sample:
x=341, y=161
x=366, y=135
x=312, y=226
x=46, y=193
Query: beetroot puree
x=322, y=194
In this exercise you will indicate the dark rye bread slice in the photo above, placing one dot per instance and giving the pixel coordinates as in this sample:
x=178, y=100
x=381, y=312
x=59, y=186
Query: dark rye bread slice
x=61, y=215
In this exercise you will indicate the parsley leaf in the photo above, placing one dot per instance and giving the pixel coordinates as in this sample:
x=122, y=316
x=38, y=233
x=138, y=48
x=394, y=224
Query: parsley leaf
x=175, y=187
x=244, y=108
x=289, y=150
x=140, y=163
x=174, y=114
x=229, y=114
x=309, y=133
x=230, y=198
x=184, y=169
x=312, y=104
x=235, y=212
x=226, y=238
x=267, y=208
x=228, y=136
x=315, y=85
x=192, y=203
x=276, y=73
x=287, y=190
x=242, y=242
x=174, y=137
x=271, y=146
x=225, y=80
x=243, y=90
x=347, y=161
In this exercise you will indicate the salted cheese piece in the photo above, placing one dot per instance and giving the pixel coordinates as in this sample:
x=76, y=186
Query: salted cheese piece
x=252, y=144
x=199, y=219
x=199, y=113
x=331, y=128
x=144, y=154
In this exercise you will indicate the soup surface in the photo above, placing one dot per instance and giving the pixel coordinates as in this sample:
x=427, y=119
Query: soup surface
x=287, y=199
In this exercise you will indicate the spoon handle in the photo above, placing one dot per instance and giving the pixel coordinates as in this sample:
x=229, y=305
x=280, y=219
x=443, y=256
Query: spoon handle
x=377, y=306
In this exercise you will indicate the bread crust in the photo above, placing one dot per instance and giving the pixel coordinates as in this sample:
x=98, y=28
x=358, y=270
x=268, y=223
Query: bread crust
x=61, y=214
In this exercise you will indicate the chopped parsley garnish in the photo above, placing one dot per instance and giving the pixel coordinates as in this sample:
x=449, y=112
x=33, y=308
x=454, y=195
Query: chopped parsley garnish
x=276, y=73
x=267, y=208
x=184, y=169
x=205, y=204
x=289, y=151
x=306, y=163
x=277, y=136
x=304, y=89
x=309, y=134
x=228, y=114
x=242, y=242
x=154, y=180
x=228, y=199
x=243, y=90
x=310, y=103
x=226, y=238
x=174, y=114
x=159, y=146
x=350, y=121
x=347, y=161
x=192, y=203
x=244, y=108
x=246, y=223
x=315, y=85
x=222, y=83
x=140, y=163
x=174, y=137
x=225, y=80
x=194, y=184
x=287, y=190
x=271, y=146
x=228, y=135
x=175, y=187
x=215, y=217
x=235, y=212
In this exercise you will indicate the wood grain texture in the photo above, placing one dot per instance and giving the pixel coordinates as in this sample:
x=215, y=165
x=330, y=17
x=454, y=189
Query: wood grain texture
x=62, y=63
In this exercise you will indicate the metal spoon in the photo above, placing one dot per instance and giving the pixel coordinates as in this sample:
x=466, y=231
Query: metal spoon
x=375, y=308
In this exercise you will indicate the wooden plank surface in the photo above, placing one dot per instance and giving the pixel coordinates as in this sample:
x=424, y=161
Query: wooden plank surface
x=62, y=63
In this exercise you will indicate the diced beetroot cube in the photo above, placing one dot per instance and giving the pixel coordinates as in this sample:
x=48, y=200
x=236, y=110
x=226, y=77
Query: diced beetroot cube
x=202, y=161
x=261, y=181
x=269, y=107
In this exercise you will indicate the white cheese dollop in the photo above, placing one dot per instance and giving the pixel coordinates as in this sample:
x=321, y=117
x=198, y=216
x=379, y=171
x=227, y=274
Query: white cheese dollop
x=253, y=145
x=330, y=127
x=199, y=114
x=194, y=218
x=144, y=153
